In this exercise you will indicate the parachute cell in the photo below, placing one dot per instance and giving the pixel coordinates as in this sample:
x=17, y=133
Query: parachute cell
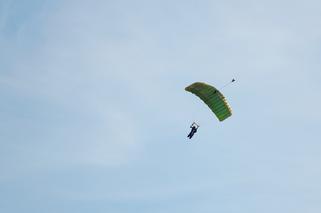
x=213, y=98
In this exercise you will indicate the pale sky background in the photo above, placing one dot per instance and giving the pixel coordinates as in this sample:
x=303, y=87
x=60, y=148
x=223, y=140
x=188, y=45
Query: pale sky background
x=94, y=116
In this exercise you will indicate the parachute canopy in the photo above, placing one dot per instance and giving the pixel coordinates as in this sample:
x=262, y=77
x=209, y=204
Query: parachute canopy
x=213, y=98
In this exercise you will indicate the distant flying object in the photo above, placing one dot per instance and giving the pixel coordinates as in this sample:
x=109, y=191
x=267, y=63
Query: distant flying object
x=194, y=128
x=213, y=98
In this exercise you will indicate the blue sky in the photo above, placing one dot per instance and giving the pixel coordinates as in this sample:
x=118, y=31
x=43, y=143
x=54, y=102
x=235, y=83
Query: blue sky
x=94, y=115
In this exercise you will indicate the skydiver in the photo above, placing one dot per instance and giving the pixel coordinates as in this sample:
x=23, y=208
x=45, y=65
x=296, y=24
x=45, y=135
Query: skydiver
x=194, y=127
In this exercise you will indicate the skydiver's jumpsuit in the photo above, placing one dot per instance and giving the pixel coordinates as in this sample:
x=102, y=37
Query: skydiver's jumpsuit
x=193, y=131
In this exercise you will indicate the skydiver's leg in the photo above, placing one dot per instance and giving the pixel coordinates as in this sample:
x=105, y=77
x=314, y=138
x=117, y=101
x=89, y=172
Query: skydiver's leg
x=190, y=134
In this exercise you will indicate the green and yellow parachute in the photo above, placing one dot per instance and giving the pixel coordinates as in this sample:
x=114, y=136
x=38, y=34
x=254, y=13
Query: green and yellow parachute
x=213, y=98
